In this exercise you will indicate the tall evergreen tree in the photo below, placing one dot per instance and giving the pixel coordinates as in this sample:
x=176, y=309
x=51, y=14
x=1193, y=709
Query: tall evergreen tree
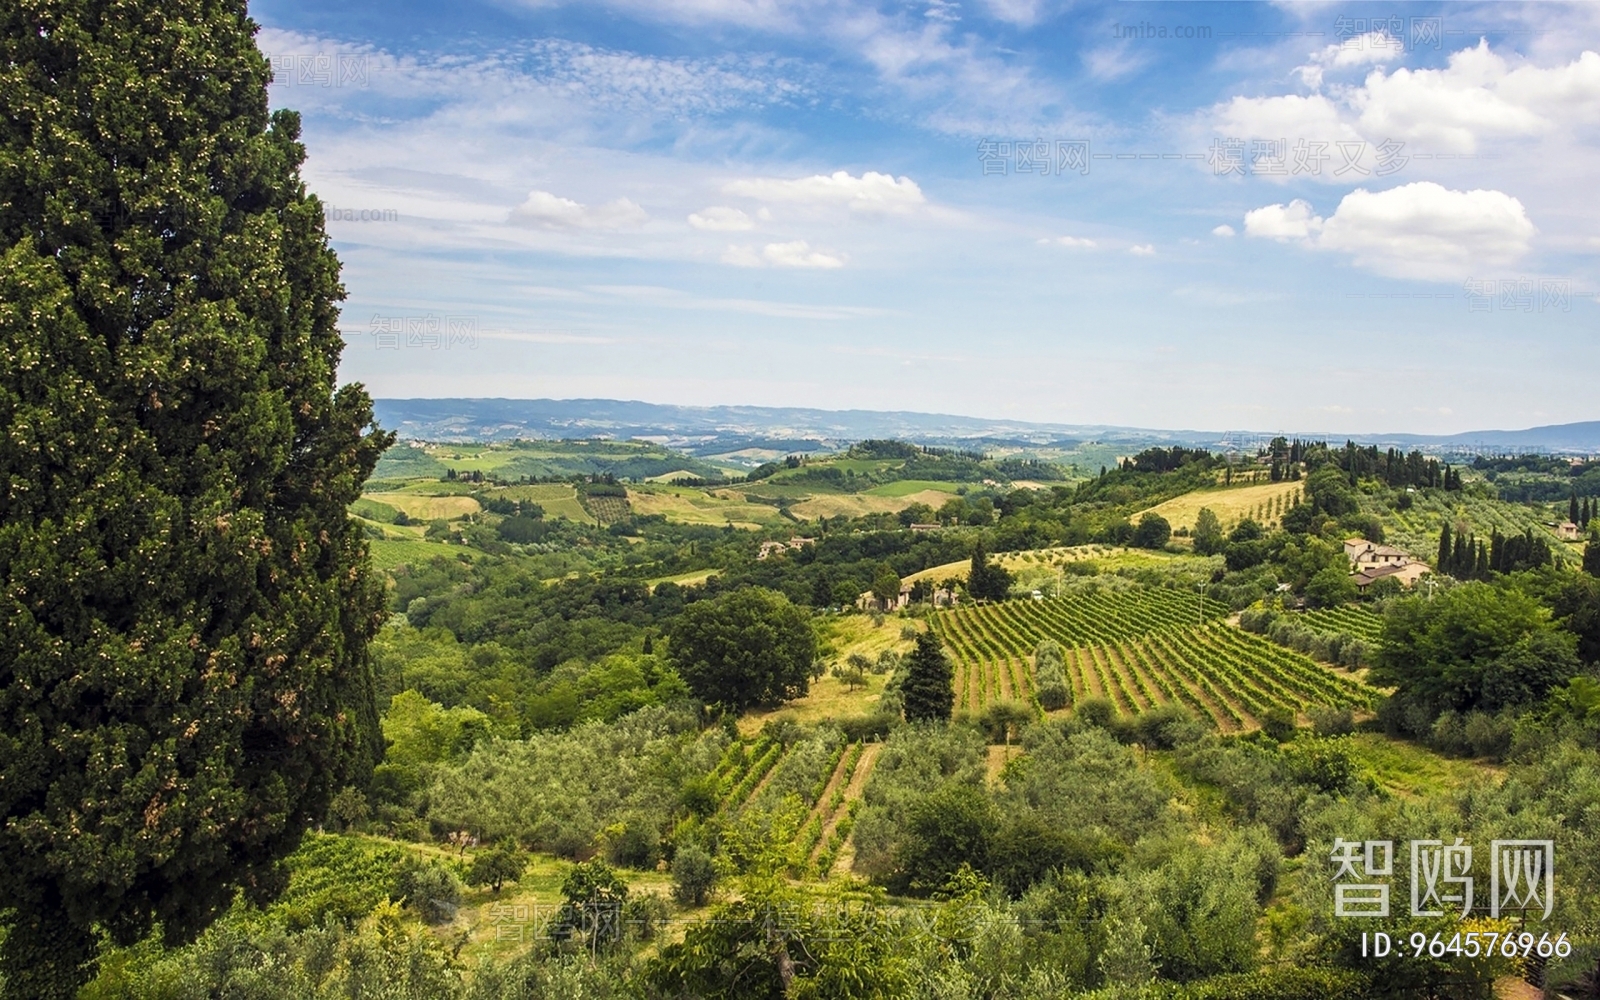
x=1442, y=564
x=185, y=604
x=929, y=686
x=1574, y=514
x=1591, y=554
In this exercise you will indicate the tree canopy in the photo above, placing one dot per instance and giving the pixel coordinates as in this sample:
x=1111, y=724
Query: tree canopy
x=1472, y=646
x=749, y=647
x=186, y=605
x=929, y=686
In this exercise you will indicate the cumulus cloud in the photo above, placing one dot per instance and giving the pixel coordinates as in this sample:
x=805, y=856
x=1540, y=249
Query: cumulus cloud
x=1372, y=48
x=721, y=219
x=1222, y=230
x=544, y=210
x=797, y=253
x=1143, y=250
x=1476, y=97
x=871, y=192
x=1293, y=221
x=1420, y=230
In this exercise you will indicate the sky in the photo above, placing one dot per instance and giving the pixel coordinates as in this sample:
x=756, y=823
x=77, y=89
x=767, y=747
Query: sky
x=1351, y=217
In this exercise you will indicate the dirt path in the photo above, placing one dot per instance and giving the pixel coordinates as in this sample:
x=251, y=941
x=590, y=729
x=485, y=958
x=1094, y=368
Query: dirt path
x=852, y=792
x=833, y=781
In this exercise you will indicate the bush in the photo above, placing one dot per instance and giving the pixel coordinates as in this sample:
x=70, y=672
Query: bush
x=1279, y=724
x=429, y=888
x=693, y=875
x=1096, y=712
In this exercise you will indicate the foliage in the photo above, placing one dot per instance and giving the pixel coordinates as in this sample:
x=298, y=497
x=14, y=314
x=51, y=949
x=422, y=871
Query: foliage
x=1050, y=676
x=1152, y=532
x=746, y=648
x=500, y=864
x=186, y=605
x=429, y=888
x=591, y=911
x=558, y=791
x=1473, y=646
x=986, y=580
x=927, y=692
x=693, y=875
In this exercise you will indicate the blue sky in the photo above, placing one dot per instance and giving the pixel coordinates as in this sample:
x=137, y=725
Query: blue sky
x=1351, y=217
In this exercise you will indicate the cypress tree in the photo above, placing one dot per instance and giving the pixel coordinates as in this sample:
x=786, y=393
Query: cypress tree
x=185, y=604
x=1573, y=513
x=1591, y=554
x=928, y=691
x=1443, y=563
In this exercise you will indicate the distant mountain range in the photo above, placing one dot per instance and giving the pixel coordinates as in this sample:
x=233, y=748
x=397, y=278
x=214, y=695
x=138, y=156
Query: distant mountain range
x=713, y=430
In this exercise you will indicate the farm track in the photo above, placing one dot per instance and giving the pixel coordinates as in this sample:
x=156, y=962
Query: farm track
x=852, y=793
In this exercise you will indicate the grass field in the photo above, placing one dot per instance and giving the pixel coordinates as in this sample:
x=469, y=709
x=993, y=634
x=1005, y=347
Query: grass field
x=1106, y=558
x=687, y=505
x=859, y=504
x=829, y=698
x=426, y=508
x=691, y=579
x=557, y=499
x=1231, y=504
x=906, y=487
x=391, y=552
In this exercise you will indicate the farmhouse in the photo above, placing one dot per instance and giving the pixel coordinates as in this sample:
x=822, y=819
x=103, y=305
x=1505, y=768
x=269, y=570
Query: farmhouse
x=767, y=548
x=1407, y=574
x=1363, y=553
x=1569, y=532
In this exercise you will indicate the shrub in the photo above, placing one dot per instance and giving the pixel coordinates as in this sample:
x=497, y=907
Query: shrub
x=429, y=888
x=693, y=875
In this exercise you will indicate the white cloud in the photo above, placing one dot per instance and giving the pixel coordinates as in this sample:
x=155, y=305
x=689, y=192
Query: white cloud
x=871, y=192
x=1370, y=49
x=1222, y=230
x=547, y=211
x=1424, y=230
x=1144, y=250
x=797, y=253
x=1420, y=230
x=1070, y=241
x=721, y=219
x=1293, y=221
x=1476, y=97
x=1113, y=61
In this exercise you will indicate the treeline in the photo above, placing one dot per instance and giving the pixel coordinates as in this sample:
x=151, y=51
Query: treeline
x=1466, y=557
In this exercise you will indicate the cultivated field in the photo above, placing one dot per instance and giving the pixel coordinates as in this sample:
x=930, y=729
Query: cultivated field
x=1231, y=504
x=427, y=508
x=859, y=504
x=906, y=487
x=687, y=505
x=1140, y=649
x=557, y=499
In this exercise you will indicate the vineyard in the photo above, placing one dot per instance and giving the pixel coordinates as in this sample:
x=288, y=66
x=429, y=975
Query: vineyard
x=1139, y=650
x=993, y=644
x=1347, y=619
x=825, y=774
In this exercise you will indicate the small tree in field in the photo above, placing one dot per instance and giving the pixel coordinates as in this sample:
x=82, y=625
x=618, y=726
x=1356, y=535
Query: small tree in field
x=1051, y=677
x=929, y=688
x=693, y=875
x=500, y=864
